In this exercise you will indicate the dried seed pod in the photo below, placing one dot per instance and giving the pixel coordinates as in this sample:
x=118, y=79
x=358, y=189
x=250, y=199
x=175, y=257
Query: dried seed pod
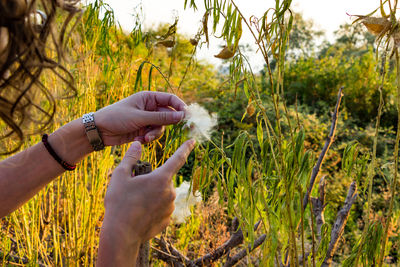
x=194, y=41
x=225, y=53
x=250, y=109
x=166, y=43
x=376, y=25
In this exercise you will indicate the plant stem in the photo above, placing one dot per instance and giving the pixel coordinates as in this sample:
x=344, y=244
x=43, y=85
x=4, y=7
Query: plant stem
x=302, y=228
x=312, y=232
x=371, y=167
x=396, y=166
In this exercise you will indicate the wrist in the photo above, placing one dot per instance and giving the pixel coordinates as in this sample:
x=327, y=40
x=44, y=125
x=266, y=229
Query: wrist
x=117, y=247
x=70, y=142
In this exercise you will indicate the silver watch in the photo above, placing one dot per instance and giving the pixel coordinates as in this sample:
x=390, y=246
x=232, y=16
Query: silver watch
x=92, y=132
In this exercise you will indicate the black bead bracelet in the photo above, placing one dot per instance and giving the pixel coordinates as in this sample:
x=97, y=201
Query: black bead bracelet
x=63, y=163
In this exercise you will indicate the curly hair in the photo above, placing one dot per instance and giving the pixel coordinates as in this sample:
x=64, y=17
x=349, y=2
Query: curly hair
x=31, y=41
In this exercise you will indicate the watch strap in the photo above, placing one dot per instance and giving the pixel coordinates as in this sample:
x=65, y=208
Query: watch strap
x=92, y=132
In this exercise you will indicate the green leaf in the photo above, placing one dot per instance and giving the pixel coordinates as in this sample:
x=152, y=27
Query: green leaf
x=260, y=134
x=349, y=156
x=150, y=72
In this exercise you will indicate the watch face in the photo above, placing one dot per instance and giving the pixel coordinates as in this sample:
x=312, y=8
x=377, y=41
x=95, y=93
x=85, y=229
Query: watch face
x=88, y=118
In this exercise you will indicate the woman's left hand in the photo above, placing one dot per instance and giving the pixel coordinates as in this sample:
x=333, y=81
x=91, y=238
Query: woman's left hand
x=139, y=117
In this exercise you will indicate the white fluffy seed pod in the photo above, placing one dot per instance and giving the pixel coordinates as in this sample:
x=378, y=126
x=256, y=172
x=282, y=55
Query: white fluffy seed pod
x=183, y=202
x=200, y=122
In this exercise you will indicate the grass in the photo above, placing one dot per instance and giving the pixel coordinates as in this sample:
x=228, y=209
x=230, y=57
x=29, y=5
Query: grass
x=60, y=225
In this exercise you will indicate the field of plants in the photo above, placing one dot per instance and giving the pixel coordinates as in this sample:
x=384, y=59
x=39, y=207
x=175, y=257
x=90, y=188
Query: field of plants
x=301, y=169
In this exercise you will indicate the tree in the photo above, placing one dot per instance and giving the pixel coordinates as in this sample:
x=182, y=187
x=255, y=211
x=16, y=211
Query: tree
x=303, y=36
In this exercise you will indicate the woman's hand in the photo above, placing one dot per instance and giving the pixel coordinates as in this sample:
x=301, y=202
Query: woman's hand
x=137, y=207
x=139, y=117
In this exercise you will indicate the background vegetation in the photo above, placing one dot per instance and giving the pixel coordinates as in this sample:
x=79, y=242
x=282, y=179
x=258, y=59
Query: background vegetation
x=257, y=167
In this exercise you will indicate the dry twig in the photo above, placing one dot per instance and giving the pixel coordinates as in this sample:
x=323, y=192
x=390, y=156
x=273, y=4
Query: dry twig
x=328, y=142
x=169, y=254
x=231, y=261
x=143, y=167
x=339, y=224
x=172, y=256
x=318, y=206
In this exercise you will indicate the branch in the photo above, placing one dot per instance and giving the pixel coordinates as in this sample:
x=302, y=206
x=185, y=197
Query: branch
x=235, y=240
x=339, y=224
x=143, y=167
x=143, y=255
x=241, y=254
x=318, y=206
x=328, y=142
x=169, y=254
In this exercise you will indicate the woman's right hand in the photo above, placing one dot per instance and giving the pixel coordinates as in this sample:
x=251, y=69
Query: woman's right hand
x=137, y=208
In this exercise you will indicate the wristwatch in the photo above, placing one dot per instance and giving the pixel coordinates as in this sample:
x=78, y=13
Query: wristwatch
x=92, y=132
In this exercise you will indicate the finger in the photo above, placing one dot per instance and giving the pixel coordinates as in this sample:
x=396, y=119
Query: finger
x=170, y=209
x=140, y=139
x=177, y=160
x=166, y=99
x=131, y=157
x=165, y=109
x=161, y=118
x=154, y=134
x=165, y=223
x=149, y=134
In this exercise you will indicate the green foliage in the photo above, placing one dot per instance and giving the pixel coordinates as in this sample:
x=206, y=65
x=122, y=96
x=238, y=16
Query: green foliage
x=315, y=80
x=369, y=250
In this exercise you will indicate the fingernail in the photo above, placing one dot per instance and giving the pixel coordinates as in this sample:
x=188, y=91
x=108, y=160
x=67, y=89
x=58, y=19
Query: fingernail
x=136, y=146
x=139, y=139
x=192, y=142
x=178, y=116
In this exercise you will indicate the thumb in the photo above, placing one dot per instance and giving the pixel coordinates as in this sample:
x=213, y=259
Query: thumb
x=131, y=157
x=162, y=117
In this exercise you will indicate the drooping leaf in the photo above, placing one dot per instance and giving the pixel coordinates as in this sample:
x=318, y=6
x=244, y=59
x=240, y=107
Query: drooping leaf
x=238, y=32
x=205, y=26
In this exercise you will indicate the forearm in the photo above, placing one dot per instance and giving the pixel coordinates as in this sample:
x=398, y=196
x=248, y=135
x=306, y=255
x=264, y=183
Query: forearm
x=24, y=174
x=117, y=247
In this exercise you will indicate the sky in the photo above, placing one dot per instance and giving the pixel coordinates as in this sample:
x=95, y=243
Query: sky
x=327, y=16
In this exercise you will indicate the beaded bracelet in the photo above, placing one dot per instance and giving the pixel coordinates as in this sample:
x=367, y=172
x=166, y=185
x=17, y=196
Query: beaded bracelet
x=64, y=164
